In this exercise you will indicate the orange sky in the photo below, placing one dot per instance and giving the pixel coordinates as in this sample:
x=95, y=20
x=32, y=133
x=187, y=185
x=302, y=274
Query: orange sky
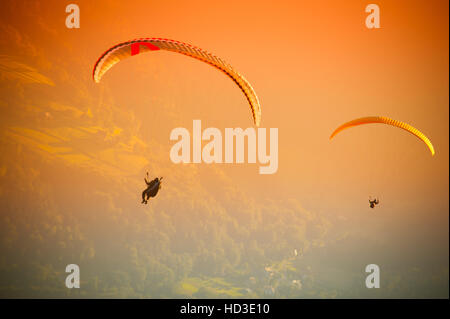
x=313, y=64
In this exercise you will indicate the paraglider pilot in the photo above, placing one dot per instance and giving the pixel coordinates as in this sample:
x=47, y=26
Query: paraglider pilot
x=374, y=202
x=152, y=188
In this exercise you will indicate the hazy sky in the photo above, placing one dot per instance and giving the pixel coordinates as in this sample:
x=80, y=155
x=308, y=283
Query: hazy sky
x=313, y=64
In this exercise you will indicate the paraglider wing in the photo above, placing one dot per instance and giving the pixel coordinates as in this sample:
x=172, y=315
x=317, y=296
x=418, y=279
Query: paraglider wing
x=130, y=48
x=388, y=121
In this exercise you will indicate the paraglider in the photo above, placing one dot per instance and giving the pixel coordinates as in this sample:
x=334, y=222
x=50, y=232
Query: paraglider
x=388, y=121
x=131, y=48
x=152, y=188
x=374, y=202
